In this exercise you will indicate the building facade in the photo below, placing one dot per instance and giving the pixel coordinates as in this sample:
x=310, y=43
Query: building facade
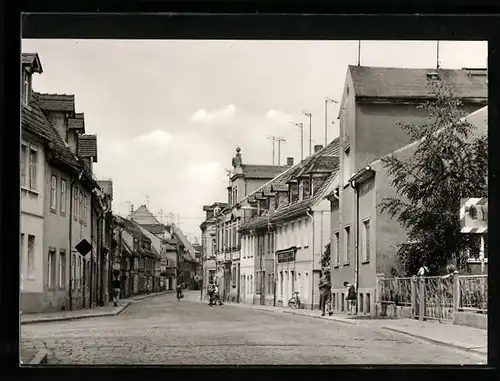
x=363, y=240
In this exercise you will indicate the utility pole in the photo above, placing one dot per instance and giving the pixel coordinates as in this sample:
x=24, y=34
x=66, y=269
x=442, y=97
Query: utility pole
x=301, y=126
x=279, y=140
x=437, y=55
x=310, y=130
x=326, y=117
x=359, y=52
x=273, y=138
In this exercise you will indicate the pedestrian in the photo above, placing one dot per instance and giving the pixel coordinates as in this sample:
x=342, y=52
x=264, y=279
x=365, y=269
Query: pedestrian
x=351, y=298
x=178, y=288
x=325, y=290
x=211, y=292
x=423, y=271
x=116, y=291
x=217, y=295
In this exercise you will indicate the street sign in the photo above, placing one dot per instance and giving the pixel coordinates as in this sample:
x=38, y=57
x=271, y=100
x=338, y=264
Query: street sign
x=474, y=215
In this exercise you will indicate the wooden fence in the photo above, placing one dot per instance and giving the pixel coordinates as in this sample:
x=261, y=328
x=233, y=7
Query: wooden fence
x=435, y=297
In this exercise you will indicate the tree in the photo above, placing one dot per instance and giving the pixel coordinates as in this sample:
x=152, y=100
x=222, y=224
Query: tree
x=449, y=163
x=325, y=257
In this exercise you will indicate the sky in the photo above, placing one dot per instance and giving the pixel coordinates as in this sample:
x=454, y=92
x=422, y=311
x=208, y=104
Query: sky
x=169, y=114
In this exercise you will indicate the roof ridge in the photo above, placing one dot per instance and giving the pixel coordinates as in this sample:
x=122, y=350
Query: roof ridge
x=56, y=94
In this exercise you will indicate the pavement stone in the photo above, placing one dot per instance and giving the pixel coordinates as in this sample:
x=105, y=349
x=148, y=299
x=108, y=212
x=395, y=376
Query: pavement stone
x=163, y=330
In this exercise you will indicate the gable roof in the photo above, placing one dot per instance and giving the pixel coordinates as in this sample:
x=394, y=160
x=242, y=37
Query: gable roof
x=34, y=121
x=385, y=82
x=143, y=216
x=77, y=123
x=253, y=171
x=57, y=102
x=33, y=61
x=87, y=146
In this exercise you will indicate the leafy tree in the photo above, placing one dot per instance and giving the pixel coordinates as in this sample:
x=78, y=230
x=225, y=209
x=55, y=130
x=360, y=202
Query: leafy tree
x=449, y=163
x=325, y=257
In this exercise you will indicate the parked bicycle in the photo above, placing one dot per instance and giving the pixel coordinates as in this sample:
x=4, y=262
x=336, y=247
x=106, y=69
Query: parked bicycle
x=294, y=301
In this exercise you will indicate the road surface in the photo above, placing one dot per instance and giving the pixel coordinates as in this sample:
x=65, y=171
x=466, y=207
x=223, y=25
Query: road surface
x=161, y=330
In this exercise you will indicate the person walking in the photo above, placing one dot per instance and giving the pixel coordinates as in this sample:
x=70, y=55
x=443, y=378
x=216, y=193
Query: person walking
x=325, y=292
x=211, y=293
x=178, y=288
x=116, y=291
x=351, y=298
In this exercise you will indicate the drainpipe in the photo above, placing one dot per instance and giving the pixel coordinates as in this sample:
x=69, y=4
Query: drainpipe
x=100, y=236
x=70, y=291
x=354, y=185
x=308, y=212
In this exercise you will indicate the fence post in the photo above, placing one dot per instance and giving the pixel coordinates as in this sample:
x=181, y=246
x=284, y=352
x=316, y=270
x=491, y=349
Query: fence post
x=421, y=302
x=378, y=292
x=413, y=297
x=456, y=291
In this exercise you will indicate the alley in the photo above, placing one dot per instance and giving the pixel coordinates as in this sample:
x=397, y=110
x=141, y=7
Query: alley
x=161, y=330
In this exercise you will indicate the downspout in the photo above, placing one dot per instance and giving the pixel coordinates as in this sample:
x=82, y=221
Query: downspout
x=311, y=216
x=70, y=291
x=100, y=236
x=354, y=185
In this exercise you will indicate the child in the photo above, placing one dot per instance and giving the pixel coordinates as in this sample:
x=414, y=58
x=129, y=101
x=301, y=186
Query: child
x=351, y=298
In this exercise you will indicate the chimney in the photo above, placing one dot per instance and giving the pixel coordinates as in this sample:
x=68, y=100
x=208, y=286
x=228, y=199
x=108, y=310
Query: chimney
x=289, y=161
x=317, y=148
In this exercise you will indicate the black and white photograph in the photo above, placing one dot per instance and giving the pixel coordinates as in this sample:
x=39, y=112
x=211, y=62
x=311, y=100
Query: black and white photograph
x=253, y=202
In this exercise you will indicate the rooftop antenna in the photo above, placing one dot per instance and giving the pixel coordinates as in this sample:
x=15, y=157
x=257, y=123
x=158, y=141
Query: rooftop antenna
x=273, y=138
x=308, y=114
x=279, y=139
x=437, y=55
x=301, y=126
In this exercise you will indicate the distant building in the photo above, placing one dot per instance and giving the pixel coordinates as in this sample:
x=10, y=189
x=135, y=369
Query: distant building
x=375, y=99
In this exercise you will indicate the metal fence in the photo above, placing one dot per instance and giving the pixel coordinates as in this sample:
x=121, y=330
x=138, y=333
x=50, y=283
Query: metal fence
x=397, y=291
x=436, y=297
x=473, y=293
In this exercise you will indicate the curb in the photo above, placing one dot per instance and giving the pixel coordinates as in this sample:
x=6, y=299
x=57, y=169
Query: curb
x=327, y=318
x=68, y=318
x=40, y=358
x=434, y=341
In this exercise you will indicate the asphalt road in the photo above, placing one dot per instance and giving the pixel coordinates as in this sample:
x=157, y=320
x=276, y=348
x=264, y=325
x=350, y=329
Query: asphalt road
x=161, y=330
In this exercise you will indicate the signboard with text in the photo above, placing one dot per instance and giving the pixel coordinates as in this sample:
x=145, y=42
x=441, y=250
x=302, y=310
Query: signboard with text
x=286, y=256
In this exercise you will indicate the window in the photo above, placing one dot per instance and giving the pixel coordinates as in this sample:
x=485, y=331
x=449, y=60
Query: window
x=51, y=273
x=53, y=192
x=31, y=256
x=336, y=254
x=24, y=157
x=361, y=302
x=26, y=88
x=75, y=204
x=62, y=269
x=80, y=206
x=366, y=240
x=233, y=275
x=63, y=196
x=33, y=162
x=347, y=254
x=301, y=190
x=347, y=166
x=368, y=303
x=342, y=302
x=21, y=254
x=307, y=188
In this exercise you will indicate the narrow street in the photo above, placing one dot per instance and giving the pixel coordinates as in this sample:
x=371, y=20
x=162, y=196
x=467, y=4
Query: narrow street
x=160, y=330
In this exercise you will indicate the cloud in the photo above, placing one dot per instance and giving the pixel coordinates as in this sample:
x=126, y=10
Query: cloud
x=205, y=170
x=279, y=116
x=155, y=139
x=221, y=115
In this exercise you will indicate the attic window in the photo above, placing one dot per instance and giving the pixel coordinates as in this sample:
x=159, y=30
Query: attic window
x=432, y=75
x=26, y=87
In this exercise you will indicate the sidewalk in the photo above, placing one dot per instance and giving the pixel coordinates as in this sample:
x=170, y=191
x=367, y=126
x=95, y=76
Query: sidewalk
x=445, y=334
x=85, y=313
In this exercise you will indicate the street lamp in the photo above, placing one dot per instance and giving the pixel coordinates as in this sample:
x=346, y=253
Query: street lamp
x=260, y=257
x=326, y=117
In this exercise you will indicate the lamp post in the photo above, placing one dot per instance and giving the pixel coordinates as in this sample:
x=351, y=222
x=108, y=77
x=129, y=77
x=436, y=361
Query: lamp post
x=262, y=296
x=326, y=117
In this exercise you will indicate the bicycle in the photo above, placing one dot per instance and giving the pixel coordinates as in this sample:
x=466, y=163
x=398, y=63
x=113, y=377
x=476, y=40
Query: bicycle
x=294, y=301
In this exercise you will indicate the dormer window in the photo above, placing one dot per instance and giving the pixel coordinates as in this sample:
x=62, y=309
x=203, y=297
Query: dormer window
x=301, y=190
x=294, y=192
x=306, y=188
x=26, y=87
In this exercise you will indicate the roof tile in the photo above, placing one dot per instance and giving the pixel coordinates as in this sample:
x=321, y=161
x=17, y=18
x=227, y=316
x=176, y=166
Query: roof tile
x=57, y=102
x=87, y=146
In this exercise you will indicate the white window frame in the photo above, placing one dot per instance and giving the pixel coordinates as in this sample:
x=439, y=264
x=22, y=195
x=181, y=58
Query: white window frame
x=347, y=244
x=33, y=167
x=64, y=190
x=30, y=263
x=367, y=246
x=26, y=87
x=62, y=268
x=25, y=175
x=53, y=193
x=301, y=190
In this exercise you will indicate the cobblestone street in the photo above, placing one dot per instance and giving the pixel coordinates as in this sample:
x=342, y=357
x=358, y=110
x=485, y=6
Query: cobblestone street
x=160, y=330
